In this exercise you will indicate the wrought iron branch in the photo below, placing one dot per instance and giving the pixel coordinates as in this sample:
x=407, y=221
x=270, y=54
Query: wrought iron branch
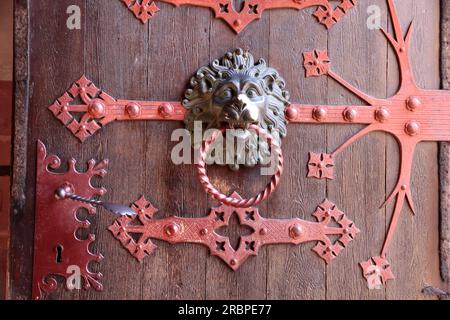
x=411, y=115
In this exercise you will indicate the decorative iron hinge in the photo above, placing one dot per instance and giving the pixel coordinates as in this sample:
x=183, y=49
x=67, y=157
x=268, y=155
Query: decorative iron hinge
x=251, y=10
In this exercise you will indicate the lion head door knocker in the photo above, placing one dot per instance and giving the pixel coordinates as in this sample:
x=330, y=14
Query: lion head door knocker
x=235, y=92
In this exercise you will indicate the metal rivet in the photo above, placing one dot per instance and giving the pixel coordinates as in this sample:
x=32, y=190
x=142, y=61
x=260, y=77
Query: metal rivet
x=204, y=232
x=165, y=110
x=350, y=114
x=319, y=113
x=172, y=229
x=96, y=109
x=382, y=114
x=291, y=113
x=413, y=103
x=404, y=187
x=233, y=262
x=295, y=231
x=133, y=110
x=263, y=231
x=237, y=23
x=412, y=128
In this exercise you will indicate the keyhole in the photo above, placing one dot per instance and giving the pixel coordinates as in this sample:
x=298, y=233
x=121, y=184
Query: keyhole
x=59, y=250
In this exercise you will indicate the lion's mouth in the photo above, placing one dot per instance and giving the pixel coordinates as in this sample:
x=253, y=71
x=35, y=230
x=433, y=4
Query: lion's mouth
x=239, y=129
x=236, y=125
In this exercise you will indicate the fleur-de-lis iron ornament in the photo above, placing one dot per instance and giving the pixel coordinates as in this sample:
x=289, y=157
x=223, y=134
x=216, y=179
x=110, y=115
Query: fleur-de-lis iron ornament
x=251, y=10
x=411, y=115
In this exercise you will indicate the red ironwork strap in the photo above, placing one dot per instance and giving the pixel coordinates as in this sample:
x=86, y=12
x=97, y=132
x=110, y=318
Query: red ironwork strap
x=331, y=223
x=326, y=14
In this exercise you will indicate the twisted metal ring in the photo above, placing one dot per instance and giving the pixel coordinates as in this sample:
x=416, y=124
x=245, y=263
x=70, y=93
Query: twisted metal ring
x=230, y=201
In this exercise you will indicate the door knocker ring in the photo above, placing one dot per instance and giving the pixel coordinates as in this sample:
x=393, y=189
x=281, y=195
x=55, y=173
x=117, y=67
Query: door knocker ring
x=232, y=201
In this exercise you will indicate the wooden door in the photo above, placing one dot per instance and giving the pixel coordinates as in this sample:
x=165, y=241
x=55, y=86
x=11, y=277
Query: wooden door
x=154, y=61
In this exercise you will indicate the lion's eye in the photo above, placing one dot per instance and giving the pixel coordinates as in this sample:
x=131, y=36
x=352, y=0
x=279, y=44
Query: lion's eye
x=252, y=93
x=226, y=94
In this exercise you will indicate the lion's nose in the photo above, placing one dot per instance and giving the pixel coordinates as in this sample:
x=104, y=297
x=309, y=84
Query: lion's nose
x=249, y=115
x=242, y=101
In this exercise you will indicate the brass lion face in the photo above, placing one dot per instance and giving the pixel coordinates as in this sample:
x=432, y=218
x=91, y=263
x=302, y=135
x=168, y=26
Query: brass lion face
x=234, y=92
x=239, y=102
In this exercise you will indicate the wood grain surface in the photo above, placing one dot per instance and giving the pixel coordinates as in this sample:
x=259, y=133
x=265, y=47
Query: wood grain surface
x=155, y=62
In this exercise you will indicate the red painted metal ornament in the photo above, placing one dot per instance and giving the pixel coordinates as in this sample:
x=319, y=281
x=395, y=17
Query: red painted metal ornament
x=251, y=10
x=100, y=108
x=412, y=115
x=203, y=231
x=57, y=250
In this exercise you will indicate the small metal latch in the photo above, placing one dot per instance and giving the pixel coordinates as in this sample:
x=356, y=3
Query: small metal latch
x=66, y=192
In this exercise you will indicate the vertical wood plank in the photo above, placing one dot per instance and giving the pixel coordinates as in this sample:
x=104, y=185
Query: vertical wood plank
x=21, y=255
x=178, y=45
x=46, y=76
x=358, y=54
x=414, y=252
x=296, y=272
x=56, y=58
x=115, y=60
